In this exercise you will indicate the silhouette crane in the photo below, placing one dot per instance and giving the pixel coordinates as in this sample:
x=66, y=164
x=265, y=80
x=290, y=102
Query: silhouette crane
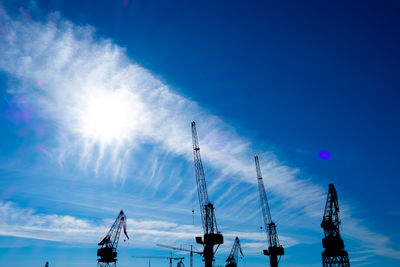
x=334, y=253
x=232, y=260
x=109, y=244
x=211, y=236
x=180, y=263
x=184, y=249
x=275, y=250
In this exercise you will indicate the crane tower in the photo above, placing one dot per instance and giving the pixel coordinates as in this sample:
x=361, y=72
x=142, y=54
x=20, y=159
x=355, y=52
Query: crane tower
x=232, y=260
x=274, y=250
x=212, y=236
x=334, y=254
x=109, y=244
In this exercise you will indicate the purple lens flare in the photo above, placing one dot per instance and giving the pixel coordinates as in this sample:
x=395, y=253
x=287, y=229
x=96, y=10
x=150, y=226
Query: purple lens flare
x=324, y=155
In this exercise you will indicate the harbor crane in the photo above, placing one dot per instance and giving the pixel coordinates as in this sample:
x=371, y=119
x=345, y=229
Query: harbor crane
x=211, y=236
x=275, y=250
x=109, y=244
x=184, y=249
x=232, y=260
x=334, y=253
x=179, y=264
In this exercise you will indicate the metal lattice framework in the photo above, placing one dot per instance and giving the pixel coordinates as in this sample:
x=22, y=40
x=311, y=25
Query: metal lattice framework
x=170, y=258
x=183, y=249
x=275, y=250
x=334, y=254
x=109, y=244
x=212, y=236
x=232, y=259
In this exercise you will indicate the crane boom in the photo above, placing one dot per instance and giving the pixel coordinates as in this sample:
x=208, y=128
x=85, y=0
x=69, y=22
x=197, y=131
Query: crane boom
x=159, y=257
x=207, y=215
x=181, y=249
x=211, y=234
x=275, y=249
x=263, y=197
x=109, y=244
x=232, y=259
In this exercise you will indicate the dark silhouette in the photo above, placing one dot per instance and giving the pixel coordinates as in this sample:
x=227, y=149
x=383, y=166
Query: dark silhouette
x=109, y=244
x=184, y=249
x=275, y=250
x=232, y=260
x=180, y=263
x=334, y=253
x=212, y=236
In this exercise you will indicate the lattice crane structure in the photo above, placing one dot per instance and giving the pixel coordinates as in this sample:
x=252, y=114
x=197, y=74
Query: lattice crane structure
x=109, y=244
x=184, y=249
x=211, y=236
x=334, y=254
x=275, y=250
x=232, y=260
x=171, y=258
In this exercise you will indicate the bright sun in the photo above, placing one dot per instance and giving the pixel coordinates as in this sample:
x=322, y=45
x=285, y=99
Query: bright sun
x=107, y=116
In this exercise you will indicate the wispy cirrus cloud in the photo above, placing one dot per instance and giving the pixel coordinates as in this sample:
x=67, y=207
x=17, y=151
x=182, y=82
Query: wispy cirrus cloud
x=63, y=67
x=27, y=223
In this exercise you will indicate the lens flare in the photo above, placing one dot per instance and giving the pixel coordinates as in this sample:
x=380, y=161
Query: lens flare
x=324, y=155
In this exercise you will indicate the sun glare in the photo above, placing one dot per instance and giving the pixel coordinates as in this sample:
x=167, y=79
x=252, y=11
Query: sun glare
x=107, y=116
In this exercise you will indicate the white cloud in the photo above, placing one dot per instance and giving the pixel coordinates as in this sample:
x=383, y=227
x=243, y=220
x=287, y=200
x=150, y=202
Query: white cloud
x=61, y=65
x=27, y=223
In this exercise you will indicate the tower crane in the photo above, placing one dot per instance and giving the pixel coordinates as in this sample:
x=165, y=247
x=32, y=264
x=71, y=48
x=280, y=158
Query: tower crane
x=275, y=249
x=232, y=260
x=334, y=253
x=212, y=236
x=180, y=263
x=109, y=244
x=184, y=249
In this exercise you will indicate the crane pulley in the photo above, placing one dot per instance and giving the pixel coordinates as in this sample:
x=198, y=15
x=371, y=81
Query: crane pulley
x=232, y=260
x=275, y=249
x=109, y=244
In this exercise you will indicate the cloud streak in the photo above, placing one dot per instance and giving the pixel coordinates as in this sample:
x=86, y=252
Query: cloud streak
x=27, y=223
x=60, y=66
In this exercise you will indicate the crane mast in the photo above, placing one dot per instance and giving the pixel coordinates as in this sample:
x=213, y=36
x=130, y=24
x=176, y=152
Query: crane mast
x=275, y=249
x=334, y=253
x=232, y=260
x=109, y=244
x=212, y=236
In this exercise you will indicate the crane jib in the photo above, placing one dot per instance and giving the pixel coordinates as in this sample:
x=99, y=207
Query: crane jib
x=275, y=249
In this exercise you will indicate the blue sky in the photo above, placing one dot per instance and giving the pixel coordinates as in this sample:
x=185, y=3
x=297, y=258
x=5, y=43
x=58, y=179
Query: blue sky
x=96, y=105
